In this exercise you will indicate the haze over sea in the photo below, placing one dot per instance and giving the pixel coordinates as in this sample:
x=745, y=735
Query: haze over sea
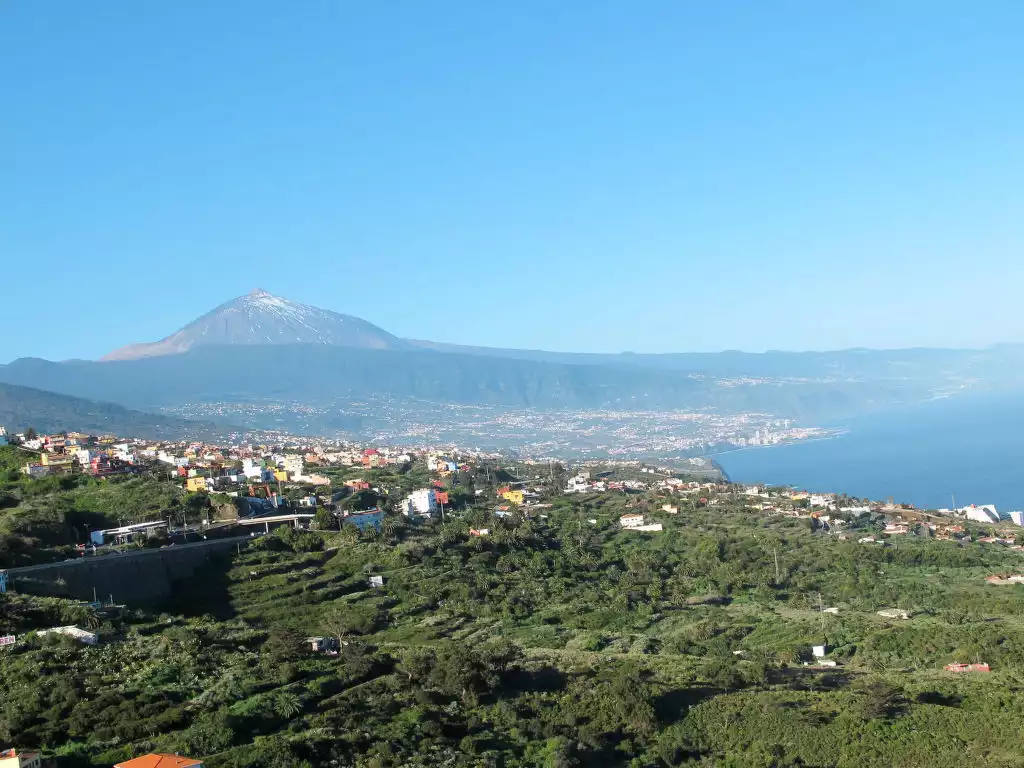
x=971, y=446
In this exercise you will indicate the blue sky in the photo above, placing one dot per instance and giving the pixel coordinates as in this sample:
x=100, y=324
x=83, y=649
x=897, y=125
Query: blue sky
x=593, y=176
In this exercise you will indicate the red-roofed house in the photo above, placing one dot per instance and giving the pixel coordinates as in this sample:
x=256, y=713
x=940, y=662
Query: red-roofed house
x=161, y=761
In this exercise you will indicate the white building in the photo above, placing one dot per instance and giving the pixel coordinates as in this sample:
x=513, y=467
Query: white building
x=578, y=484
x=422, y=502
x=85, y=456
x=168, y=458
x=3, y=436
x=252, y=468
x=986, y=513
x=12, y=758
x=1018, y=518
x=294, y=465
x=632, y=520
x=124, y=455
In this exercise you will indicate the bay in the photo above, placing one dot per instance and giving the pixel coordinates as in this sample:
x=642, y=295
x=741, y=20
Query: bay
x=970, y=447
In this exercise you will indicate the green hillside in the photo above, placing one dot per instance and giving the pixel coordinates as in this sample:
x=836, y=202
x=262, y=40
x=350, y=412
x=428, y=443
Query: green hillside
x=549, y=642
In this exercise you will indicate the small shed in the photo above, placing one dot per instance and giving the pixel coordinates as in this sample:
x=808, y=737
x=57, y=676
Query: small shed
x=322, y=644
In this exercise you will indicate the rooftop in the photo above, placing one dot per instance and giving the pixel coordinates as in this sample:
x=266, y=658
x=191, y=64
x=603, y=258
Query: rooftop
x=13, y=752
x=160, y=761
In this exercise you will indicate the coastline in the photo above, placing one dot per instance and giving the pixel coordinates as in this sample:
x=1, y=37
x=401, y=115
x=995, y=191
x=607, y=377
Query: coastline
x=963, y=447
x=787, y=443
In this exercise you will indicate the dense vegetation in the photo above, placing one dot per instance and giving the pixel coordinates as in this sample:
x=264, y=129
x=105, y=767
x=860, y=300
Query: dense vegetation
x=553, y=641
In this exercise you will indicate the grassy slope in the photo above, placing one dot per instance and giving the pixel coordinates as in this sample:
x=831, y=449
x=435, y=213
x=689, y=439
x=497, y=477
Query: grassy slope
x=582, y=625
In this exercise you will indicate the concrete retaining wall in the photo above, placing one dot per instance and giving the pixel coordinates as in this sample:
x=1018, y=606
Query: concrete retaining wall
x=141, y=578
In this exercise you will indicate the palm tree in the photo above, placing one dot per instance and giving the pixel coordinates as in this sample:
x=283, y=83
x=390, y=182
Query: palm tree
x=287, y=704
x=388, y=528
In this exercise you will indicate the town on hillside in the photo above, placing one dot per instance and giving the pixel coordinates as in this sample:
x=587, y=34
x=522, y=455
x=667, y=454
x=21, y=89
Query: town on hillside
x=310, y=483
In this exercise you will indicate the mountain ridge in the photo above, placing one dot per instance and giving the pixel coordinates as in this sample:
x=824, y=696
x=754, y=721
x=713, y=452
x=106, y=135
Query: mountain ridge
x=261, y=318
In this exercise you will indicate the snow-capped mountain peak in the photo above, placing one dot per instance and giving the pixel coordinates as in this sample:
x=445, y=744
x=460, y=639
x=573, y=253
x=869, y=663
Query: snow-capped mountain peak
x=260, y=317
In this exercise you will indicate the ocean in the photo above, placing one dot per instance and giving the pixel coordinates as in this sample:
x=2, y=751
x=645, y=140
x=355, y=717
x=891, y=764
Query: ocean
x=970, y=447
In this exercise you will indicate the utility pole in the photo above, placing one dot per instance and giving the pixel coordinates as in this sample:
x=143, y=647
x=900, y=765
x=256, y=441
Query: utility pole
x=821, y=620
x=775, y=552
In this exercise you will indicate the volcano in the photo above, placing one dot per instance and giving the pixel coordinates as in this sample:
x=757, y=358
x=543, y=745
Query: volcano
x=262, y=318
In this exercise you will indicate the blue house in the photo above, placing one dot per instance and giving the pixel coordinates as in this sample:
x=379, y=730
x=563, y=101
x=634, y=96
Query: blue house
x=363, y=520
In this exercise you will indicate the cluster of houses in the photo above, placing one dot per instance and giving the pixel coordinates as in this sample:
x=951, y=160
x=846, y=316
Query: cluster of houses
x=830, y=512
x=78, y=452
x=256, y=472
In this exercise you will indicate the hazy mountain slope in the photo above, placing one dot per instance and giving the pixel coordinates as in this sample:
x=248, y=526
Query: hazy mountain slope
x=322, y=375
x=23, y=407
x=921, y=363
x=260, y=318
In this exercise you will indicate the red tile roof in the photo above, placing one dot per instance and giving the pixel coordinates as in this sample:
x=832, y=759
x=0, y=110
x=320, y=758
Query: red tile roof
x=160, y=761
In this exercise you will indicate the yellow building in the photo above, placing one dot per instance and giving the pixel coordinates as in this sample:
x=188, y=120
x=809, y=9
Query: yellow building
x=513, y=497
x=197, y=483
x=58, y=462
x=281, y=475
